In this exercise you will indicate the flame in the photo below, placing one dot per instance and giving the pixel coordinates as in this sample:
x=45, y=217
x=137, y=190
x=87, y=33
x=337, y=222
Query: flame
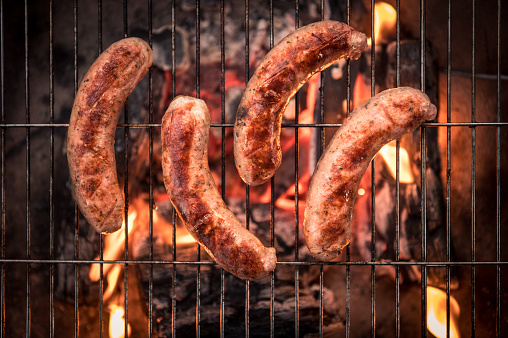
x=361, y=92
x=112, y=278
x=389, y=153
x=286, y=200
x=182, y=235
x=113, y=246
x=385, y=19
x=117, y=323
x=436, y=313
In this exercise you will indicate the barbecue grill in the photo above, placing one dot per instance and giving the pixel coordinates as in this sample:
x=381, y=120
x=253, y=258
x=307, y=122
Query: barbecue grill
x=48, y=249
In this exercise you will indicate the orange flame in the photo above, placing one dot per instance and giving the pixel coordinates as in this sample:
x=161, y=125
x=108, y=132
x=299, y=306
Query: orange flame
x=389, y=153
x=139, y=214
x=436, y=313
x=113, y=245
x=385, y=19
x=117, y=323
x=182, y=235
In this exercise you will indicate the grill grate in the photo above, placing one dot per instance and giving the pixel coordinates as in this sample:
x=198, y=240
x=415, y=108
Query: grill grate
x=29, y=126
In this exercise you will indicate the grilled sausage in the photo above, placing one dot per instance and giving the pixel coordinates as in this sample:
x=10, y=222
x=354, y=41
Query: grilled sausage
x=283, y=71
x=90, y=140
x=192, y=190
x=334, y=184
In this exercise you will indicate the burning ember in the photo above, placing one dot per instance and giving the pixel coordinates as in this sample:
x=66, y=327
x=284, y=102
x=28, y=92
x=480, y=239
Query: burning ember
x=436, y=313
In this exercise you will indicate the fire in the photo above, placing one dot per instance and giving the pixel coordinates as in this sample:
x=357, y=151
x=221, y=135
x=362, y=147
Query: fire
x=436, y=313
x=117, y=323
x=182, y=235
x=389, y=153
x=287, y=200
x=113, y=246
x=385, y=19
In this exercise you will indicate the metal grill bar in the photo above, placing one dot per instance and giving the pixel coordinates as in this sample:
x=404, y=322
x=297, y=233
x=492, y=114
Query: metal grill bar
x=76, y=210
x=423, y=170
x=173, y=94
x=272, y=207
x=397, y=187
x=323, y=142
x=348, y=111
x=101, y=236
x=52, y=174
x=126, y=192
x=448, y=163
x=3, y=131
x=150, y=192
x=498, y=176
x=284, y=125
x=198, y=249
x=297, y=194
x=28, y=170
x=373, y=177
x=289, y=263
x=247, y=191
x=473, y=173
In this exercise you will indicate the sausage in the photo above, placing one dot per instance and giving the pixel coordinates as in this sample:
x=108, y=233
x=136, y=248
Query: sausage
x=334, y=183
x=90, y=139
x=283, y=71
x=192, y=190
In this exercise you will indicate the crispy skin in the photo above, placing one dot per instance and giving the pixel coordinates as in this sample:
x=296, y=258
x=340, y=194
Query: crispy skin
x=283, y=71
x=90, y=140
x=334, y=184
x=192, y=190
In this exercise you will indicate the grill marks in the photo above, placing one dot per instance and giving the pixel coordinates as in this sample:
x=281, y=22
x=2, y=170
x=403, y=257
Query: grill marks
x=187, y=186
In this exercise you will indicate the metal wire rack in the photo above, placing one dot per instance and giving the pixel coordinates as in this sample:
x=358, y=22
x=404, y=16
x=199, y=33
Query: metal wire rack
x=51, y=125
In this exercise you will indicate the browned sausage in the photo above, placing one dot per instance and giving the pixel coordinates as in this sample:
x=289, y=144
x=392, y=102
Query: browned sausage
x=90, y=140
x=334, y=184
x=283, y=71
x=192, y=190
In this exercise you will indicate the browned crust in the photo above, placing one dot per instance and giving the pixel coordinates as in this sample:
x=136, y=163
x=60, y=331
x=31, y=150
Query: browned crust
x=192, y=190
x=334, y=184
x=90, y=141
x=278, y=77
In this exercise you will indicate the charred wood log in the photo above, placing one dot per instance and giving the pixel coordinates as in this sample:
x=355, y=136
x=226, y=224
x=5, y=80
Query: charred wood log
x=184, y=298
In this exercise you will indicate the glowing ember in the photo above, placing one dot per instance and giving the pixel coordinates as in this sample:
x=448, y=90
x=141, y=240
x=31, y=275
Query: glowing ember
x=385, y=19
x=436, y=313
x=117, y=323
x=389, y=153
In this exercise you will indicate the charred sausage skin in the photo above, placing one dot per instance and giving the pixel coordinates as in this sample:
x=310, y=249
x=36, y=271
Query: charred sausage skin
x=334, y=184
x=90, y=140
x=192, y=190
x=283, y=71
